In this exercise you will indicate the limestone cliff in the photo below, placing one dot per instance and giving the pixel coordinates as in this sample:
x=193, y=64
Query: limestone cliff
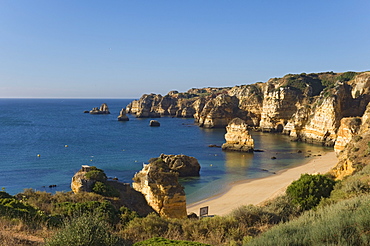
x=161, y=189
x=348, y=128
x=80, y=182
x=238, y=137
x=356, y=153
x=308, y=107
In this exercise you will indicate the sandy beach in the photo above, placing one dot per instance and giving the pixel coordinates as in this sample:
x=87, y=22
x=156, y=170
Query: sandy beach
x=256, y=191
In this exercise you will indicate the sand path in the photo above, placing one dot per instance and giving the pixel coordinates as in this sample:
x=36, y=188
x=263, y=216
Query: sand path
x=256, y=191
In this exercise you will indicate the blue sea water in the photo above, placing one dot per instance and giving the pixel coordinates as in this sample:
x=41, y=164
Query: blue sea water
x=66, y=138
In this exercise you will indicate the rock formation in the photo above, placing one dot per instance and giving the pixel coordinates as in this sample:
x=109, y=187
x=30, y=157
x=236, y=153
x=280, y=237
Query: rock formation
x=184, y=165
x=238, y=137
x=308, y=107
x=348, y=128
x=122, y=115
x=87, y=176
x=102, y=110
x=154, y=123
x=80, y=182
x=161, y=189
x=356, y=152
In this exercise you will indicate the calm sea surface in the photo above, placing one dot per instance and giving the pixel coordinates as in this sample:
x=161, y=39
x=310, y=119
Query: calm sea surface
x=31, y=127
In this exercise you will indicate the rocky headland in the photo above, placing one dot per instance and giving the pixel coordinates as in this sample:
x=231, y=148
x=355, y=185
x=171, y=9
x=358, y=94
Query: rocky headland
x=307, y=107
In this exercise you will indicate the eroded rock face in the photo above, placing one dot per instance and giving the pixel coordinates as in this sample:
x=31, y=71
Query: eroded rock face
x=348, y=128
x=219, y=111
x=356, y=153
x=161, y=189
x=238, y=137
x=122, y=115
x=102, y=110
x=184, y=165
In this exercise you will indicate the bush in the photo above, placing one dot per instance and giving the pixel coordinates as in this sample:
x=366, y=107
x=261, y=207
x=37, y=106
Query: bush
x=86, y=230
x=308, y=190
x=158, y=241
x=344, y=223
x=97, y=175
x=104, y=189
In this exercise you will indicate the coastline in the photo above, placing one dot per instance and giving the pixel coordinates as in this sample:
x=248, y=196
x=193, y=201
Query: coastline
x=257, y=191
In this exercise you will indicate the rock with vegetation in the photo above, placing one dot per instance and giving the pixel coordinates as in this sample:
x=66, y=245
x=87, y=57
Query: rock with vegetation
x=161, y=189
x=102, y=110
x=238, y=137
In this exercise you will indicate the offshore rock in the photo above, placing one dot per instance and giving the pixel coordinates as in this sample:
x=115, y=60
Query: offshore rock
x=102, y=110
x=122, y=115
x=238, y=137
x=161, y=189
x=154, y=123
x=184, y=165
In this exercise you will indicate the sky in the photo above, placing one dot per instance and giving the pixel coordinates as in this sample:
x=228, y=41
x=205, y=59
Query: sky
x=123, y=49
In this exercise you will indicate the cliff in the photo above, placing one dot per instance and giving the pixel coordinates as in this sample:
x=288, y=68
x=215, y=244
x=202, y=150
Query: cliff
x=161, y=189
x=356, y=152
x=308, y=107
x=237, y=137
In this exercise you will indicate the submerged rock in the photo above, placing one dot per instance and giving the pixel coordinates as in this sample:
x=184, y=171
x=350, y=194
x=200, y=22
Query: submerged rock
x=238, y=137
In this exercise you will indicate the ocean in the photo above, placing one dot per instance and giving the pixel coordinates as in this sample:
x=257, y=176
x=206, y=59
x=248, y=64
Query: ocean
x=44, y=142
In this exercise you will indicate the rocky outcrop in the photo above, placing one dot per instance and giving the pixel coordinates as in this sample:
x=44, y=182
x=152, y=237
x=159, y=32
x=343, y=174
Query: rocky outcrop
x=154, y=123
x=85, y=179
x=122, y=115
x=102, y=110
x=81, y=183
x=238, y=137
x=161, y=189
x=184, y=165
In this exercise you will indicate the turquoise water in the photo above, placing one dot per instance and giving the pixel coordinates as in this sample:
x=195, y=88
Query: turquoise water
x=31, y=127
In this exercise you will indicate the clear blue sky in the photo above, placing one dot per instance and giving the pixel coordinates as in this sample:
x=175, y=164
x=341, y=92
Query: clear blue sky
x=124, y=49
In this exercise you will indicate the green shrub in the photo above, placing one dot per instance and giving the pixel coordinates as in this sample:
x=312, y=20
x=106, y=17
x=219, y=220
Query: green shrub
x=344, y=223
x=86, y=230
x=347, y=76
x=126, y=215
x=308, y=190
x=158, y=241
x=104, y=189
x=97, y=175
x=104, y=210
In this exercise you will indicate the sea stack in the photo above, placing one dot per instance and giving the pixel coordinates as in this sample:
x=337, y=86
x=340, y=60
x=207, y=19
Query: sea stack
x=122, y=115
x=161, y=189
x=237, y=137
x=102, y=110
